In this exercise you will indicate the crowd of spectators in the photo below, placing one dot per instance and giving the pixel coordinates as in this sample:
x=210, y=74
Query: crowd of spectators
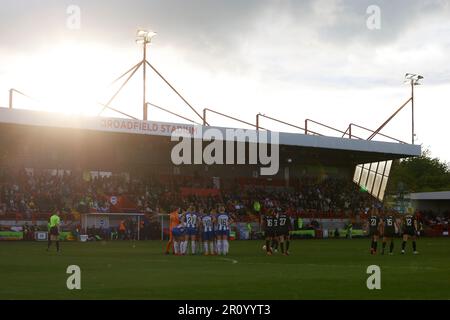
x=434, y=220
x=28, y=192
x=42, y=191
x=326, y=196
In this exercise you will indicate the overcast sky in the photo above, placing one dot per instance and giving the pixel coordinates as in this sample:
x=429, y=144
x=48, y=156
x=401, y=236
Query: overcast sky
x=289, y=59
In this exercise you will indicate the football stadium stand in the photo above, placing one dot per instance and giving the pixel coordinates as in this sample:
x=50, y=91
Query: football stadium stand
x=100, y=165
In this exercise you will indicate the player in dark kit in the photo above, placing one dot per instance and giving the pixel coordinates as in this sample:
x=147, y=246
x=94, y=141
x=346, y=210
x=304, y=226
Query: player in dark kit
x=284, y=226
x=409, y=230
x=388, y=231
x=269, y=230
x=374, y=230
x=275, y=231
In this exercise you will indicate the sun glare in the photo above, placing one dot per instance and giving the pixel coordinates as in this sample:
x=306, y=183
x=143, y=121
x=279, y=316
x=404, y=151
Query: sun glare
x=68, y=78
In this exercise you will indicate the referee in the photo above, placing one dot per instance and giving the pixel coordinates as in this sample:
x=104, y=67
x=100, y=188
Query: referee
x=53, y=230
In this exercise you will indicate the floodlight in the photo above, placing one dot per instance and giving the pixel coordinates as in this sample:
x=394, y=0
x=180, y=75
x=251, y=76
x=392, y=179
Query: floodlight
x=141, y=33
x=412, y=78
x=144, y=36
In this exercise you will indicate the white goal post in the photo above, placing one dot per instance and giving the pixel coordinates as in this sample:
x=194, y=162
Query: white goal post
x=103, y=219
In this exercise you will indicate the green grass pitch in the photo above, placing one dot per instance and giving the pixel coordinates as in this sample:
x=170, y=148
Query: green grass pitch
x=316, y=269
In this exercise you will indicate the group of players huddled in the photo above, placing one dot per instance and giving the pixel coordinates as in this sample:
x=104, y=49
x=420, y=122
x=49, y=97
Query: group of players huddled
x=208, y=228
x=277, y=225
x=207, y=231
x=384, y=224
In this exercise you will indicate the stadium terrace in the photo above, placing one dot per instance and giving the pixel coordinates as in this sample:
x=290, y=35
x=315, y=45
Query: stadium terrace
x=58, y=141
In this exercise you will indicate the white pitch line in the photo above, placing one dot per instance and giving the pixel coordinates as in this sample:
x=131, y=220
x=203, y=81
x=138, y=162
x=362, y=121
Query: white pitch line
x=232, y=260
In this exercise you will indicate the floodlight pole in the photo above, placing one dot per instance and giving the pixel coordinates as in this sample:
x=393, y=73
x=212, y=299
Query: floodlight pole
x=414, y=80
x=11, y=98
x=144, y=65
x=144, y=38
x=412, y=112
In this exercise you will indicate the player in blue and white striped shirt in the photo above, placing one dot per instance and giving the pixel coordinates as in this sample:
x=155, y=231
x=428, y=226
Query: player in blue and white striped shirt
x=207, y=227
x=192, y=222
x=223, y=231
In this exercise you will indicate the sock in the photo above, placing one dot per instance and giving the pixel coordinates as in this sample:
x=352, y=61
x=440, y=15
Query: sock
x=184, y=247
x=287, y=245
x=267, y=245
x=225, y=246
x=375, y=246
x=274, y=244
x=214, y=247
x=192, y=247
x=391, y=247
x=219, y=247
x=282, y=247
x=205, y=247
x=384, y=246
x=168, y=246
x=49, y=244
x=57, y=245
x=414, y=246
x=222, y=246
x=403, y=245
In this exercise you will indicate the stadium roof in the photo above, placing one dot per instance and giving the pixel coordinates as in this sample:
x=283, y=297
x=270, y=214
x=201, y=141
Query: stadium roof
x=439, y=195
x=351, y=150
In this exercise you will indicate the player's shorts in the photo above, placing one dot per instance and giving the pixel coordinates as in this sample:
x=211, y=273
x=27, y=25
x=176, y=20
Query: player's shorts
x=374, y=232
x=409, y=232
x=223, y=233
x=54, y=231
x=269, y=233
x=178, y=232
x=283, y=232
x=208, y=236
x=191, y=231
x=389, y=233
